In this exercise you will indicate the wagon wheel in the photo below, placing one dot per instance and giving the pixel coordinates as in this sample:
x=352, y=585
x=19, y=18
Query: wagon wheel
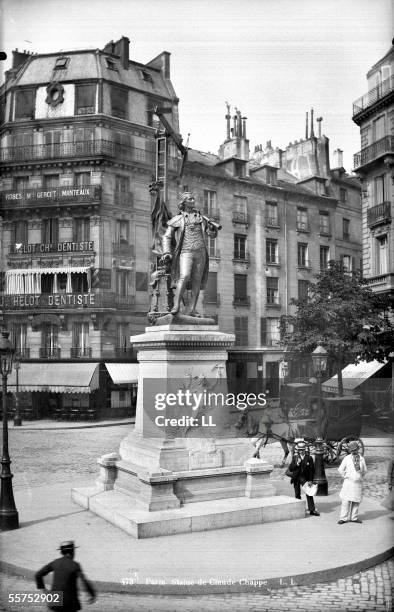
x=330, y=451
x=343, y=447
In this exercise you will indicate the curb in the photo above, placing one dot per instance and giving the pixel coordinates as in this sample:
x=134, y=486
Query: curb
x=84, y=426
x=247, y=585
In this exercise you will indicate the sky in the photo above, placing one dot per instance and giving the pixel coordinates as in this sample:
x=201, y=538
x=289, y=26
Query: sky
x=272, y=59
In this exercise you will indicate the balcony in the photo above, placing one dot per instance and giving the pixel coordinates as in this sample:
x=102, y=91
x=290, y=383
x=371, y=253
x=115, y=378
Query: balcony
x=211, y=300
x=49, y=353
x=101, y=148
x=72, y=195
x=77, y=352
x=374, y=95
x=213, y=214
x=303, y=226
x=273, y=261
x=123, y=301
x=242, y=258
x=381, y=283
x=324, y=231
x=243, y=301
x=384, y=146
x=272, y=222
x=381, y=213
x=270, y=339
x=240, y=217
x=273, y=301
x=123, y=249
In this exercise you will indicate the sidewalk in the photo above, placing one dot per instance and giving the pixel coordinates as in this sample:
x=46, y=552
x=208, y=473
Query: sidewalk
x=256, y=557
x=51, y=424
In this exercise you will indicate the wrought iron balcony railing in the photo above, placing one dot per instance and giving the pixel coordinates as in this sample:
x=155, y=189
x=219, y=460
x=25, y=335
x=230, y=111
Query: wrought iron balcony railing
x=272, y=221
x=381, y=147
x=123, y=249
x=87, y=149
x=242, y=301
x=49, y=353
x=213, y=214
x=381, y=213
x=303, y=226
x=76, y=352
x=270, y=338
x=47, y=196
x=241, y=258
x=273, y=301
x=212, y=299
x=240, y=217
x=372, y=96
x=22, y=353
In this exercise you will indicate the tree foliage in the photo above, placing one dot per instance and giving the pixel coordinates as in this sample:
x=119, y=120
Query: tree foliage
x=342, y=314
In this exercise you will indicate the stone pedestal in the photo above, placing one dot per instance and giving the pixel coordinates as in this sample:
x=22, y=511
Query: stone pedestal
x=170, y=479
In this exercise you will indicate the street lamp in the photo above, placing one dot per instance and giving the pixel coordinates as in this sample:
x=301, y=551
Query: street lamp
x=319, y=359
x=17, y=415
x=8, y=512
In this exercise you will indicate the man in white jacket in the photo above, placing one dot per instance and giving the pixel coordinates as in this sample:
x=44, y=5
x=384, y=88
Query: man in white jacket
x=352, y=470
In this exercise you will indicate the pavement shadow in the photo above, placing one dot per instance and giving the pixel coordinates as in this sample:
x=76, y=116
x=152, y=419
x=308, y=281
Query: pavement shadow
x=372, y=514
x=328, y=507
x=46, y=519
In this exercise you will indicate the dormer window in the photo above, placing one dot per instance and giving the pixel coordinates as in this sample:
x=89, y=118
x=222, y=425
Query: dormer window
x=146, y=76
x=61, y=63
x=111, y=64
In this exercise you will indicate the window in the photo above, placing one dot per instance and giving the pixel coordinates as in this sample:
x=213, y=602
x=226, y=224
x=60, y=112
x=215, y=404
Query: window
x=119, y=99
x=212, y=246
x=21, y=183
x=61, y=63
x=153, y=119
x=210, y=204
x=346, y=229
x=146, y=76
x=324, y=257
x=81, y=229
x=122, y=335
x=79, y=282
x=269, y=330
x=81, y=346
x=378, y=130
x=49, y=340
x=324, y=223
x=81, y=178
x=347, y=262
x=122, y=231
x=272, y=290
x=343, y=195
x=303, y=289
x=121, y=188
x=241, y=331
x=19, y=338
x=49, y=231
x=19, y=232
x=240, y=286
x=50, y=181
x=122, y=283
x=211, y=289
x=302, y=219
x=141, y=281
x=381, y=255
x=240, y=213
x=302, y=255
x=24, y=141
x=272, y=214
x=85, y=99
x=111, y=64
x=239, y=247
x=271, y=251
x=25, y=103
x=52, y=141
x=379, y=190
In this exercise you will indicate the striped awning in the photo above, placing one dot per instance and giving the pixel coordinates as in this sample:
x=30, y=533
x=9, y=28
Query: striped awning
x=56, y=377
x=123, y=373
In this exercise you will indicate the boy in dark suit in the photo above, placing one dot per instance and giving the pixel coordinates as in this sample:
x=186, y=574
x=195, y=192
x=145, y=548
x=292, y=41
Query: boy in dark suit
x=302, y=470
x=65, y=574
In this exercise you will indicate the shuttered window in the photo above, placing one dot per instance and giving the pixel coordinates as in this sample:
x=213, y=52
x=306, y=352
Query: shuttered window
x=241, y=330
x=25, y=102
x=119, y=99
x=240, y=285
x=85, y=99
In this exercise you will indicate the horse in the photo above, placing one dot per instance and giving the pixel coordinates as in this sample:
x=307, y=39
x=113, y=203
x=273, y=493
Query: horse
x=272, y=425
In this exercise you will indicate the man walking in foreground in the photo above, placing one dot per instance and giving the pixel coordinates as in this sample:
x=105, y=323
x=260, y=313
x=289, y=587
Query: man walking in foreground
x=352, y=470
x=302, y=470
x=65, y=574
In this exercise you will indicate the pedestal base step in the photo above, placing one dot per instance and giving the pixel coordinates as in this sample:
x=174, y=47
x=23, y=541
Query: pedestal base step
x=117, y=508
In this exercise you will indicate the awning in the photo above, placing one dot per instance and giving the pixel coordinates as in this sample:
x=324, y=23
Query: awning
x=56, y=377
x=353, y=375
x=123, y=373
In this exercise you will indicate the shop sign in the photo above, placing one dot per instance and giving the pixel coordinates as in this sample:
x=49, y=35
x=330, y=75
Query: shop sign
x=48, y=300
x=52, y=247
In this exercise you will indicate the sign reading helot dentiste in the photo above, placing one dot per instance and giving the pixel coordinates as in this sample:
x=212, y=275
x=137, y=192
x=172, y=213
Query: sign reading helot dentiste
x=52, y=247
x=48, y=300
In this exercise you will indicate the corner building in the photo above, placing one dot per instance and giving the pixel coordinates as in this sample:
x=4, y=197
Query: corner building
x=374, y=114
x=77, y=153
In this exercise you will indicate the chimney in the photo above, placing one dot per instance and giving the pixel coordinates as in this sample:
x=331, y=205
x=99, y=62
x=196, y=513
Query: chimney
x=312, y=130
x=228, y=117
x=244, y=127
x=18, y=58
x=338, y=158
x=319, y=120
x=122, y=49
x=306, y=126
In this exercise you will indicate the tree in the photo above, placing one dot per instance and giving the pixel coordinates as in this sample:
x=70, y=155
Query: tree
x=343, y=314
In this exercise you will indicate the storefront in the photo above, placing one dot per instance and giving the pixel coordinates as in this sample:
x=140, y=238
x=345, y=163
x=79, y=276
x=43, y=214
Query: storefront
x=122, y=388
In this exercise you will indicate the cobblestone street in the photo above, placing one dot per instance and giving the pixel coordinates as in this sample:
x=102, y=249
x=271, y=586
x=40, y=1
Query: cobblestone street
x=47, y=457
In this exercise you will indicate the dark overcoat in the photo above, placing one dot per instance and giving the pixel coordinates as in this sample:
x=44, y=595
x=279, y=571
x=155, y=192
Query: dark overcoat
x=66, y=572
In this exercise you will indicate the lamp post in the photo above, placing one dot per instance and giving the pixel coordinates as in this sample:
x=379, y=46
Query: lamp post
x=319, y=359
x=8, y=512
x=17, y=415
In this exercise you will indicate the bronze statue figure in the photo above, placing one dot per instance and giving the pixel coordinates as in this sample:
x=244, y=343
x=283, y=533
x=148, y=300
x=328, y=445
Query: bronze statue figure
x=185, y=248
